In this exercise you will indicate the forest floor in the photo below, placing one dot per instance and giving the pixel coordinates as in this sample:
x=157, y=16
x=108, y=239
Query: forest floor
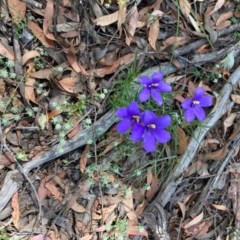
x=70, y=169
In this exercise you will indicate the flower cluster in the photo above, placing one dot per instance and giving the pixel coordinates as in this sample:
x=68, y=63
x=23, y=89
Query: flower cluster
x=146, y=126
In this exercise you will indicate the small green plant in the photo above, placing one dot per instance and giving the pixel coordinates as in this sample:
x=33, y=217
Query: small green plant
x=20, y=26
x=123, y=91
x=237, y=36
x=21, y=155
x=212, y=76
x=38, y=63
x=234, y=20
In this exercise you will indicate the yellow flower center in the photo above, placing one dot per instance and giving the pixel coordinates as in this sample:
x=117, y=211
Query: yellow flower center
x=152, y=126
x=196, y=102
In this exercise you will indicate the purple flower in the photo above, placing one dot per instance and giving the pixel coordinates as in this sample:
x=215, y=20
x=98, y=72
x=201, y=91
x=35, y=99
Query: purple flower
x=130, y=117
x=152, y=130
x=194, y=106
x=153, y=87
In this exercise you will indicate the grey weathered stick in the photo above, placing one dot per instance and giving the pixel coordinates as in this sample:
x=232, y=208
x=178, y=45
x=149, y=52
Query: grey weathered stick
x=223, y=104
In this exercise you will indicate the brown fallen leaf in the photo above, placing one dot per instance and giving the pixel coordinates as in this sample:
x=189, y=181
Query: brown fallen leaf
x=185, y=7
x=38, y=33
x=182, y=141
x=131, y=24
x=68, y=84
x=84, y=158
x=16, y=212
x=53, y=190
x=29, y=55
x=218, y=5
x=216, y=155
x=228, y=122
x=29, y=89
x=76, y=207
x=126, y=59
x=47, y=21
x=75, y=64
x=107, y=19
x=153, y=33
x=223, y=17
x=194, y=221
x=220, y=207
x=6, y=51
x=17, y=9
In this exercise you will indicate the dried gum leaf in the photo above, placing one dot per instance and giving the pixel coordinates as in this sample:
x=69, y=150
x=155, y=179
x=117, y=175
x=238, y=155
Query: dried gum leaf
x=107, y=19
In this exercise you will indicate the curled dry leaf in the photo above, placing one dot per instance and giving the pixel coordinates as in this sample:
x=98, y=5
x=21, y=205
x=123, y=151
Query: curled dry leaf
x=194, y=221
x=101, y=72
x=29, y=55
x=68, y=84
x=153, y=33
x=218, y=5
x=223, y=17
x=228, y=122
x=182, y=208
x=76, y=207
x=216, y=155
x=42, y=74
x=131, y=24
x=6, y=51
x=53, y=190
x=38, y=33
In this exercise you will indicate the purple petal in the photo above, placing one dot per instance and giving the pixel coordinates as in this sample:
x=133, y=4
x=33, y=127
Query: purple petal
x=144, y=95
x=157, y=77
x=122, y=112
x=164, y=87
x=187, y=103
x=164, y=121
x=199, y=92
x=144, y=80
x=189, y=115
x=157, y=97
x=137, y=132
x=124, y=125
x=149, y=142
x=200, y=113
x=133, y=109
x=206, y=101
x=161, y=135
x=149, y=118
